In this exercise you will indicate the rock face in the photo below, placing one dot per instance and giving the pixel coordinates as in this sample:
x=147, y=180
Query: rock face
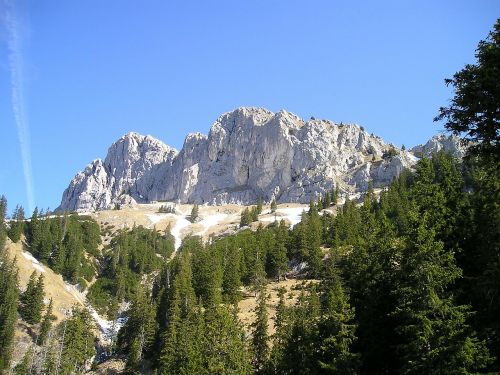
x=448, y=143
x=248, y=153
x=120, y=178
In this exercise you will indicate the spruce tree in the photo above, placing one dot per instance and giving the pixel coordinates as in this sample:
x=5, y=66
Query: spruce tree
x=225, y=347
x=3, y=229
x=260, y=336
x=194, y=213
x=246, y=217
x=277, y=255
x=24, y=367
x=17, y=224
x=259, y=206
x=473, y=112
x=274, y=206
x=46, y=324
x=78, y=345
x=336, y=326
x=435, y=337
x=9, y=295
x=231, y=279
x=32, y=300
x=137, y=335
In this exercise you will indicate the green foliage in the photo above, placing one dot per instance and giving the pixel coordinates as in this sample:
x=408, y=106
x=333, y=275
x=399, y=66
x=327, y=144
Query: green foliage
x=137, y=335
x=277, y=259
x=260, y=336
x=9, y=295
x=194, y=213
x=473, y=112
x=259, y=206
x=66, y=244
x=389, y=153
x=3, y=229
x=31, y=300
x=132, y=253
x=78, y=343
x=23, y=367
x=274, y=206
x=250, y=215
x=46, y=324
x=17, y=224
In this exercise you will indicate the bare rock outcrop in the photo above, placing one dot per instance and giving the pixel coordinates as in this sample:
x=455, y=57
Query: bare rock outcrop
x=249, y=153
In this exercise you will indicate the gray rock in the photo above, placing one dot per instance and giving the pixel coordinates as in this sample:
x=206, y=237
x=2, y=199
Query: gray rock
x=248, y=153
x=448, y=143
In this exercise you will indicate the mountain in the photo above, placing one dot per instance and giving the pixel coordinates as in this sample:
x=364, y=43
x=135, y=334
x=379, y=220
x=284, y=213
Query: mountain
x=249, y=153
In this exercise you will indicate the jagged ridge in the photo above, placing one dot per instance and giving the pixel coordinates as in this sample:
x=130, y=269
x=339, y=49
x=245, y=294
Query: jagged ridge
x=248, y=153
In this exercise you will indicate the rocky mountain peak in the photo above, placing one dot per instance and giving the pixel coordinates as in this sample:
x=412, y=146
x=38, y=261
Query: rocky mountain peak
x=249, y=153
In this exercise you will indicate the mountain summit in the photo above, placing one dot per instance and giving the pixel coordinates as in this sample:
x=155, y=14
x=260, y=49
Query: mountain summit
x=249, y=153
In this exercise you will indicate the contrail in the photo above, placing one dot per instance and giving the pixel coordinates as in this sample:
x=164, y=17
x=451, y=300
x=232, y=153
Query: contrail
x=16, y=66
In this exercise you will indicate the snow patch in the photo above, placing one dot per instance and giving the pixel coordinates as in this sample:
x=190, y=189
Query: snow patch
x=211, y=221
x=180, y=224
x=104, y=325
x=292, y=214
x=38, y=267
x=34, y=262
x=30, y=257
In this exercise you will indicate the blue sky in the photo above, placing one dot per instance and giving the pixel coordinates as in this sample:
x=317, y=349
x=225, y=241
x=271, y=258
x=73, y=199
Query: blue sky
x=77, y=75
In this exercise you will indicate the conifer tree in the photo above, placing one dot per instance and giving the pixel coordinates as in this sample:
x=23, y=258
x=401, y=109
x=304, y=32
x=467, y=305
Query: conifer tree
x=32, y=300
x=9, y=295
x=246, y=217
x=473, y=112
x=274, y=206
x=435, y=336
x=78, y=344
x=336, y=326
x=34, y=230
x=46, y=324
x=260, y=336
x=231, y=281
x=225, y=348
x=17, y=224
x=277, y=254
x=3, y=230
x=24, y=367
x=259, y=206
x=194, y=213
x=137, y=335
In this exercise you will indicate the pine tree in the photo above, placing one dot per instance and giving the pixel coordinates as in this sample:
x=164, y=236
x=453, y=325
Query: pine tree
x=46, y=324
x=9, y=295
x=17, y=224
x=277, y=255
x=3, y=230
x=246, y=217
x=281, y=336
x=336, y=326
x=231, y=279
x=137, y=335
x=274, y=206
x=32, y=300
x=259, y=206
x=473, y=112
x=225, y=348
x=78, y=344
x=260, y=336
x=435, y=336
x=194, y=213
